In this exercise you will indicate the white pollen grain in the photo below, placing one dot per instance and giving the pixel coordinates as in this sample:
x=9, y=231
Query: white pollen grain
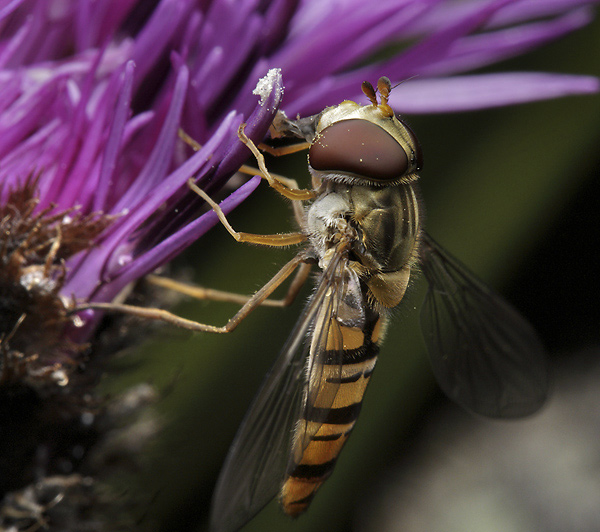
x=265, y=85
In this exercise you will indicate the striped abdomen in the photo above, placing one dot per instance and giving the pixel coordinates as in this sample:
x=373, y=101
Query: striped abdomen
x=319, y=439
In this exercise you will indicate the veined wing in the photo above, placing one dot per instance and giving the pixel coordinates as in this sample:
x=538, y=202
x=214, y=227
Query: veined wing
x=261, y=452
x=484, y=354
x=343, y=353
x=341, y=315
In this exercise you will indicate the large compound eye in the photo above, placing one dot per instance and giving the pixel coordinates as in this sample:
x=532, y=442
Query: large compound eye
x=360, y=147
x=418, y=150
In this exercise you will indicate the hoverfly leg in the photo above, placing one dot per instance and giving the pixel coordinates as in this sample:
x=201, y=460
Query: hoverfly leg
x=251, y=170
x=200, y=292
x=196, y=146
x=271, y=150
x=290, y=183
x=290, y=189
x=276, y=240
x=168, y=317
x=275, y=151
x=284, y=150
x=287, y=181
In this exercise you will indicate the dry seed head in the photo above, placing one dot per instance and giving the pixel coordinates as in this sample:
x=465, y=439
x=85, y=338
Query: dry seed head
x=34, y=245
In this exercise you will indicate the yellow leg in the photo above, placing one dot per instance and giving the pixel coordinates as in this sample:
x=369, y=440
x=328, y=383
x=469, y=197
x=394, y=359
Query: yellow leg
x=278, y=240
x=284, y=183
x=168, y=317
x=189, y=140
x=284, y=150
x=199, y=292
x=280, y=186
x=290, y=183
x=252, y=170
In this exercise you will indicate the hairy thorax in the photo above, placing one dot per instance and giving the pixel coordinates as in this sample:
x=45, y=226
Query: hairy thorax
x=381, y=226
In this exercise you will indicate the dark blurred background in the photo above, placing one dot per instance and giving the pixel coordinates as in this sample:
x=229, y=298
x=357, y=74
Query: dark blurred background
x=514, y=194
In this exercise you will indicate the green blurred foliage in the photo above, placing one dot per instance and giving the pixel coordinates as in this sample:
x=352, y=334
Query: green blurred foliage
x=495, y=182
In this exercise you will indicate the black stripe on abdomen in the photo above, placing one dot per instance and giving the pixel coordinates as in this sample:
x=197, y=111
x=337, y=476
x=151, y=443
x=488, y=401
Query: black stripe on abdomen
x=320, y=471
x=335, y=416
x=327, y=422
x=352, y=356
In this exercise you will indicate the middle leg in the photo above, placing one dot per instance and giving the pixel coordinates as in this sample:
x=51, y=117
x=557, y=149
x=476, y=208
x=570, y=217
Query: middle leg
x=200, y=292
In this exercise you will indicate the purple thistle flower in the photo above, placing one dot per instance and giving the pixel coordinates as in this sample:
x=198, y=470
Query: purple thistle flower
x=92, y=95
x=93, y=103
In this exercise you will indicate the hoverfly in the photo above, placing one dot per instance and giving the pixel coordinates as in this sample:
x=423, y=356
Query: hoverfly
x=362, y=225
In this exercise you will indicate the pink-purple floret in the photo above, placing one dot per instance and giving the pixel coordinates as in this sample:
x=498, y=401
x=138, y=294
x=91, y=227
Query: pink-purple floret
x=92, y=95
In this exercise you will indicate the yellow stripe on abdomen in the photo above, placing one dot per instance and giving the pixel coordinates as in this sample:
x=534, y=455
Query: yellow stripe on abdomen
x=329, y=425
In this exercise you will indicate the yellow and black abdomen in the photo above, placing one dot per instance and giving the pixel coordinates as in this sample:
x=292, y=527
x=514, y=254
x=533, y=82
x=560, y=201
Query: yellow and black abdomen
x=324, y=428
x=381, y=226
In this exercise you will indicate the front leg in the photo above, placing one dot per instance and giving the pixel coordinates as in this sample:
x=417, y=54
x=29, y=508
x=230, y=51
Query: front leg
x=276, y=240
x=284, y=189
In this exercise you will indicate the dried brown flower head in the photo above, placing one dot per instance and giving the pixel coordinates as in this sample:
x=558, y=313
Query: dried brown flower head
x=34, y=245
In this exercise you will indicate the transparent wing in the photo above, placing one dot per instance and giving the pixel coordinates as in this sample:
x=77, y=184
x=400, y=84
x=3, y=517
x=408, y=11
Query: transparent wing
x=343, y=306
x=259, y=457
x=484, y=354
